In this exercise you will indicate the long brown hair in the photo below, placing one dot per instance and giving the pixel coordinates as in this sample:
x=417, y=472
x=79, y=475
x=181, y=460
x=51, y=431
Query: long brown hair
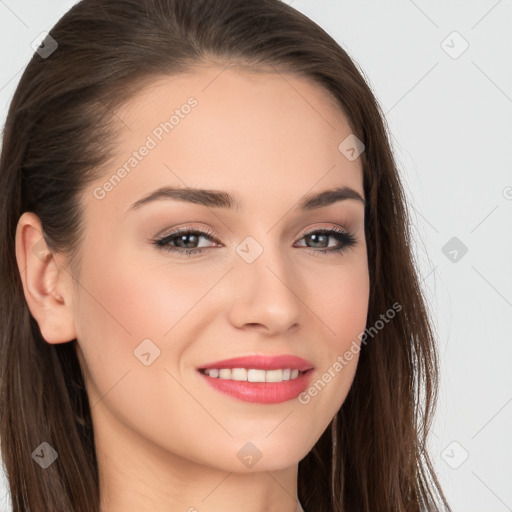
x=59, y=136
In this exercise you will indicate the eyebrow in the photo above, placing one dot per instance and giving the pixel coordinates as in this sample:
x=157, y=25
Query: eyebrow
x=222, y=199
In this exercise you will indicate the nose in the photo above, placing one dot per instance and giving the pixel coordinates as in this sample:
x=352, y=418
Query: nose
x=265, y=294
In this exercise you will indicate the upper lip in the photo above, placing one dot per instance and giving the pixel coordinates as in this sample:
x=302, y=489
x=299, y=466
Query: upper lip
x=262, y=362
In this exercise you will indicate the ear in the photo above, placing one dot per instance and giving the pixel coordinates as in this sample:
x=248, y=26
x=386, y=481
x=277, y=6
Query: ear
x=46, y=284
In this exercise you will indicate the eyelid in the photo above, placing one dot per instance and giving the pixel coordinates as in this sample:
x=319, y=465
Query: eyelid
x=185, y=229
x=324, y=226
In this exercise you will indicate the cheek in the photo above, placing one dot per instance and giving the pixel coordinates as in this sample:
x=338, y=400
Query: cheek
x=349, y=316
x=119, y=306
x=340, y=300
x=124, y=300
x=128, y=300
x=341, y=303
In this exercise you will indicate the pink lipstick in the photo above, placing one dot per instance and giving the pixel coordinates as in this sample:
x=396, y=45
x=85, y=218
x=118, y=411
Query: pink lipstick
x=259, y=378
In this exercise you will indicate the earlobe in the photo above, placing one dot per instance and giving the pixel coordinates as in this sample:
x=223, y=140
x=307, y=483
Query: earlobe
x=46, y=287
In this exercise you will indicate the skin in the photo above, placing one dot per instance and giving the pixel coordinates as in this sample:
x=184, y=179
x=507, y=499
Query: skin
x=165, y=439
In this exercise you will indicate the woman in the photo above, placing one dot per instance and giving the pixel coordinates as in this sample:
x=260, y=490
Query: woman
x=209, y=299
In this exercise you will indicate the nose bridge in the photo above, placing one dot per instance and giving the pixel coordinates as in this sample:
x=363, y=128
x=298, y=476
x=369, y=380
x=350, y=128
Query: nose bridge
x=265, y=285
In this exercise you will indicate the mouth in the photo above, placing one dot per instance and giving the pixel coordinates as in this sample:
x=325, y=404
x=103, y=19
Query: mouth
x=253, y=374
x=259, y=378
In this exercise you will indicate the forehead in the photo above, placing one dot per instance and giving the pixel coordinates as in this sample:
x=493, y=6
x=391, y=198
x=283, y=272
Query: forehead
x=232, y=129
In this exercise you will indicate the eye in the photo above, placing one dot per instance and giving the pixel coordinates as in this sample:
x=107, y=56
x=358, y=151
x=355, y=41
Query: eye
x=184, y=238
x=184, y=241
x=320, y=236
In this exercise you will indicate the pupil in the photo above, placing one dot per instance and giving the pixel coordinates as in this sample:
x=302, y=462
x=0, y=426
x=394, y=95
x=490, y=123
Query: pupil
x=184, y=237
x=316, y=236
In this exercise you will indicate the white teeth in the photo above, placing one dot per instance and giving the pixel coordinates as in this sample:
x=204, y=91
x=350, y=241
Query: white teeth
x=224, y=374
x=253, y=375
x=238, y=374
x=274, y=376
x=256, y=375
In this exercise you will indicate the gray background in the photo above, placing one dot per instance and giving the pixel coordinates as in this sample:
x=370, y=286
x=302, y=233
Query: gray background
x=449, y=112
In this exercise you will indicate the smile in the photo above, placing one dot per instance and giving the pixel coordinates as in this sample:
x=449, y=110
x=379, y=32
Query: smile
x=253, y=374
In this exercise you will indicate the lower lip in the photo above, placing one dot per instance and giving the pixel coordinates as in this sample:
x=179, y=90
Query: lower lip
x=262, y=392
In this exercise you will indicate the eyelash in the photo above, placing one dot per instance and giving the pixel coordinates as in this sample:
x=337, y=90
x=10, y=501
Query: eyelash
x=347, y=239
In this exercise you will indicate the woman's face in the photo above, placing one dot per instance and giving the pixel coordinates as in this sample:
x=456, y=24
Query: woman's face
x=149, y=315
